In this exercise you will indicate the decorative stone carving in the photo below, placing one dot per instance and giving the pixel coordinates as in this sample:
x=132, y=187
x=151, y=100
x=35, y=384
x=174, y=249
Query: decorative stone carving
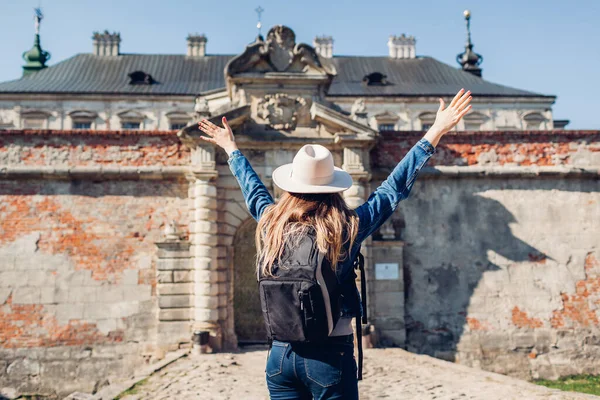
x=353, y=159
x=281, y=41
x=201, y=109
x=5, y=120
x=358, y=107
x=278, y=53
x=172, y=232
x=387, y=230
x=203, y=158
x=358, y=112
x=280, y=110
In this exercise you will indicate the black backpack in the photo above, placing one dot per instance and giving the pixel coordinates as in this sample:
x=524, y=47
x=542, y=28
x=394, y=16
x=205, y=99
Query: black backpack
x=301, y=302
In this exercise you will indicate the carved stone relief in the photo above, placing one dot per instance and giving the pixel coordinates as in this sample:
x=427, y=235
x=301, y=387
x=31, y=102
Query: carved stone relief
x=5, y=121
x=280, y=110
x=278, y=53
x=281, y=41
x=201, y=109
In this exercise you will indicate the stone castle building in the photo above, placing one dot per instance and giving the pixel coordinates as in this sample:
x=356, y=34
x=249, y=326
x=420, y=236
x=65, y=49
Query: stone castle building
x=122, y=233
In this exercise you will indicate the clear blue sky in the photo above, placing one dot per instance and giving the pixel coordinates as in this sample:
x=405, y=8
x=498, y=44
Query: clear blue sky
x=551, y=46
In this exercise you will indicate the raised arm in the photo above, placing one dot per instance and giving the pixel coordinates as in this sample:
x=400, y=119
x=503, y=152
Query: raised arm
x=384, y=200
x=255, y=193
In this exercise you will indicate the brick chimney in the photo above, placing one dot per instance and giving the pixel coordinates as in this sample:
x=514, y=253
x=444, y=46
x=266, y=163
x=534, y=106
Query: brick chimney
x=324, y=46
x=106, y=43
x=196, y=45
x=402, y=46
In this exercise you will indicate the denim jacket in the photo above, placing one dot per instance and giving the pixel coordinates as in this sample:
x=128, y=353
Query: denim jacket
x=371, y=215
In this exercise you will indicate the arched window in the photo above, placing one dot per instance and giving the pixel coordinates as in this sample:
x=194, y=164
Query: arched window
x=534, y=121
x=82, y=119
x=427, y=119
x=474, y=120
x=387, y=121
x=178, y=120
x=35, y=119
x=132, y=120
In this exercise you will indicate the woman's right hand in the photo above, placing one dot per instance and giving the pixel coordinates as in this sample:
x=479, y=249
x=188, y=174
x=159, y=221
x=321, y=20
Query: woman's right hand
x=448, y=117
x=222, y=137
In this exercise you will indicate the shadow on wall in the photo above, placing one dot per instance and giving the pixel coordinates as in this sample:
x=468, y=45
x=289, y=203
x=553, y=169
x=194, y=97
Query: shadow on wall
x=455, y=233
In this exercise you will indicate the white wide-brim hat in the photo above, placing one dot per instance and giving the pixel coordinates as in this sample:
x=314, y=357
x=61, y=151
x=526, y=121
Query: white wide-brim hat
x=312, y=171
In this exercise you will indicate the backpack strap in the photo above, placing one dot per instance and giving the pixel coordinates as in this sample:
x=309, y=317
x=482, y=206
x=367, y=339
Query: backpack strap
x=360, y=264
x=363, y=286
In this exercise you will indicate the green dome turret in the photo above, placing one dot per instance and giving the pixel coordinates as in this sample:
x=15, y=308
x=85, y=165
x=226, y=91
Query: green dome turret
x=35, y=58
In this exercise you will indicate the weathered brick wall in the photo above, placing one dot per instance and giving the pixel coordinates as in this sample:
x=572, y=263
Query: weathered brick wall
x=515, y=148
x=500, y=271
x=78, y=259
x=86, y=148
x=503, y=274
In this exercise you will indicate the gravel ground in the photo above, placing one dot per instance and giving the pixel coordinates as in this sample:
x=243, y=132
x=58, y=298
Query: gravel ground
x=389, y=374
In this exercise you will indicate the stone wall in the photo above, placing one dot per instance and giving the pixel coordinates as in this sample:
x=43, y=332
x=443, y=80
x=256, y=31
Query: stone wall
x=501, y=271
x=78, y=271
x=497, y=249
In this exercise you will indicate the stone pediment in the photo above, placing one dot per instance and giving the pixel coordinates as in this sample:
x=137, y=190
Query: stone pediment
x=275, y=123
x=279, y=53
x=387, y=116
x=340, y=124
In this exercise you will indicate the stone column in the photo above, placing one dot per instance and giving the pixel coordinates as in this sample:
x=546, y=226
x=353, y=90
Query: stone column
x=388, y=288
x=353, y=163
x=174, y=291
x=203, y=240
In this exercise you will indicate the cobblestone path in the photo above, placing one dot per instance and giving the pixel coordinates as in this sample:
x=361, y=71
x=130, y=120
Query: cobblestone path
x=389, y=374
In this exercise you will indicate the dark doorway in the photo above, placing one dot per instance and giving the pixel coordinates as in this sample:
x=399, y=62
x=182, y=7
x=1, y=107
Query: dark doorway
x=248, y=319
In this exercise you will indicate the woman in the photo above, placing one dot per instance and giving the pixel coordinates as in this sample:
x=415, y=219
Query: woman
x=312, y=205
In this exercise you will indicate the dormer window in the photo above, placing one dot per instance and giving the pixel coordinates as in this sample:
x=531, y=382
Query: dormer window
x=82, y=119
x=375, y=79
x=140, y=78
x=35, y=119
x=132, y=120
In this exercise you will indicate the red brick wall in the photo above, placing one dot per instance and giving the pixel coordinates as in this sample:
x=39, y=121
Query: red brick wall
x=77, y=258
x=502, y=272
x=84, y=148
x=495, y=148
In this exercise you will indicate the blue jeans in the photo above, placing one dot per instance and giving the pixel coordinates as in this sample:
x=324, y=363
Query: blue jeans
x=307, y=371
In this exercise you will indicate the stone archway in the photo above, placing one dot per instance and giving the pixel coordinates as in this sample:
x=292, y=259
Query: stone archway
x=247, y=315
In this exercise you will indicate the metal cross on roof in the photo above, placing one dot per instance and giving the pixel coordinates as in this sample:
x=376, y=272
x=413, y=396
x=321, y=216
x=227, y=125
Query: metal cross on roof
x=37, y=18
x=259, y=10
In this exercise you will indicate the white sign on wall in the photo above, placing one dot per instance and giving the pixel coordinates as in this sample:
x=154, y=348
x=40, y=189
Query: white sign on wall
x=386, y=271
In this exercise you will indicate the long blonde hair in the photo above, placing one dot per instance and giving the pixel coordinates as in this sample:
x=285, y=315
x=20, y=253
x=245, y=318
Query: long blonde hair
x=290, y=218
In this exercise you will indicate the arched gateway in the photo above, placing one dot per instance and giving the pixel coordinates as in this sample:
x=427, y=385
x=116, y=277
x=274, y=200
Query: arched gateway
x=247, y=317
x=276, y=104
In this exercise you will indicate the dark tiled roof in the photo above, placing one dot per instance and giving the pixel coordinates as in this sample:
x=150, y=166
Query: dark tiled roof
x=411, y=77
x=181, y=75
x=88, y=73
